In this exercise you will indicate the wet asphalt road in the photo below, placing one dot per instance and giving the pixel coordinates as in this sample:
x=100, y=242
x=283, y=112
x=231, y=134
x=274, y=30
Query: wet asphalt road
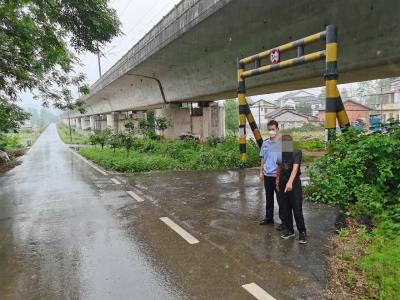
x=69, y=232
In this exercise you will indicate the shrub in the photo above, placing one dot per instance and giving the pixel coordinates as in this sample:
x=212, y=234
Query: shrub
x=9, y=142
x=361, y=173
x=173, y=154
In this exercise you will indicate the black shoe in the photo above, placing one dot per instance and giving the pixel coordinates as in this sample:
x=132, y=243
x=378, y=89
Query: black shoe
x=302, y=238
x=288, y=234
x=266, y=222
x=280, y=227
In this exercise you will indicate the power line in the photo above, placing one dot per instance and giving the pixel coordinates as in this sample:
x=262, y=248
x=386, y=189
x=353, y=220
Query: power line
x=142, y=18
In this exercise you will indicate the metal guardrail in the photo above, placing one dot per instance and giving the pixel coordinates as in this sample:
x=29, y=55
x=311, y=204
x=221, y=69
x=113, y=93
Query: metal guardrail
x=334, y=106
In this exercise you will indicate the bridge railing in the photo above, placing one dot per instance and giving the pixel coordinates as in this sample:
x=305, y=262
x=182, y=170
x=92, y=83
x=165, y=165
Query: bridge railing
x=333, y=105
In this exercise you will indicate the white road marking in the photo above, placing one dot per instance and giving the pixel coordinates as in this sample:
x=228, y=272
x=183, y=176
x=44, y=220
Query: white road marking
x=88, y=162
x=135, y=196
x=179, y=230
x=257, y=291
x=115, y=181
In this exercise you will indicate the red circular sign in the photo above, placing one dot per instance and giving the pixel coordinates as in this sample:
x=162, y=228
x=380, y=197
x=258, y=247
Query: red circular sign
x=275, y=56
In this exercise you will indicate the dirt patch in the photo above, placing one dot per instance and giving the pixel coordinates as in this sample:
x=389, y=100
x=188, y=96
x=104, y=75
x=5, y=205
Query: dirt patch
x=346, y=280
x=4, y=167
x=314, y=153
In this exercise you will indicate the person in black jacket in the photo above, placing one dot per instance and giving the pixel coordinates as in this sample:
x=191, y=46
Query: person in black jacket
x=290, y=191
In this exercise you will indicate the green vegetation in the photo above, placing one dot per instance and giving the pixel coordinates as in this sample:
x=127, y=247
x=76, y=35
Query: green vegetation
x=9, y=142
x=189, y=154
x=11, y=116
x=361, y=175
x=39, y=41
x=381, y=266
x=77, y=138
x=311, y=145
x=231, y=117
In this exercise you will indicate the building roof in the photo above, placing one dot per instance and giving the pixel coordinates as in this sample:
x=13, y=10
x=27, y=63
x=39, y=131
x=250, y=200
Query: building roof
x=263, y=102
x=322, y=107
x=357, y=103
x=278, y=112
x=297, y=94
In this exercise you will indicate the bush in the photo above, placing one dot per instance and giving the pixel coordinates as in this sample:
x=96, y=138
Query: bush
x=361, y=173
x=9, y=142
x=147, y=154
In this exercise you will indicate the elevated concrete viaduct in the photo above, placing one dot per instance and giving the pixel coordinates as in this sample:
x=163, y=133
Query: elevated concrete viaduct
x=190, y=55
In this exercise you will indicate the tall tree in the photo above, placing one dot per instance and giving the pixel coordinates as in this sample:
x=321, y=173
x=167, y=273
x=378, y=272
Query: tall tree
x=39, y=41
x=11, y=117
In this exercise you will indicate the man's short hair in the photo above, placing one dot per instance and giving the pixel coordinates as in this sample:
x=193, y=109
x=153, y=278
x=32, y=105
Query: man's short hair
x=272, y=123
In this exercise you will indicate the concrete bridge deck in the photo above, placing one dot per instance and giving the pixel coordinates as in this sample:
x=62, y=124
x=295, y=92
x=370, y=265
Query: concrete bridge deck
x=192, y=51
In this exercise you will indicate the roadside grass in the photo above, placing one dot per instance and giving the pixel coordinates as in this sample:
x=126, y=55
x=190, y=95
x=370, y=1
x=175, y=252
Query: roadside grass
x=381, y=266
x=77, y=138
x=364, y=265
x=11, y=142
x=360, y=175
x=148, y=155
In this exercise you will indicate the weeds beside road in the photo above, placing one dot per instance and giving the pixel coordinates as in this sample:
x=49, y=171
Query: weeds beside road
x=361, y=175
x=77, y=138
x=147, y=155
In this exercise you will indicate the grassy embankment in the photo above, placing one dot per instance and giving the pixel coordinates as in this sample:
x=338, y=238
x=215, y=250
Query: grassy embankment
x=15, y=144
x=77, y=138
x=147, y=155
x=361, y=175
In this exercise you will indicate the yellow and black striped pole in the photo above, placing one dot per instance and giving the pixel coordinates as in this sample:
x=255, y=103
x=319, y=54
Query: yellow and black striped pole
x=245, y=113
x=242, y=110
x=333, y=104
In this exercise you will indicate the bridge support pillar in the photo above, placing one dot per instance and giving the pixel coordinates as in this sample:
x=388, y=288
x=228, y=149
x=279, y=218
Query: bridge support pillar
x=203, y=121
x=92, y=122
x=85, y=123
x=78, y=123
x=113, y=120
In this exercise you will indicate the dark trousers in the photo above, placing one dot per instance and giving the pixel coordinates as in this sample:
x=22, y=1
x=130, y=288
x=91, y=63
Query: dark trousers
x=292, y=204
x=270, y=187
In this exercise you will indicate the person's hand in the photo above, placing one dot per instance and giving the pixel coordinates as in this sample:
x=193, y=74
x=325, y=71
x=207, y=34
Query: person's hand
x=289, y=187
x=261, y=177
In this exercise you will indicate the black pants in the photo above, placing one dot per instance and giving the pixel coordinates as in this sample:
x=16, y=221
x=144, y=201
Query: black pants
x=270, y=187
x=292, y=204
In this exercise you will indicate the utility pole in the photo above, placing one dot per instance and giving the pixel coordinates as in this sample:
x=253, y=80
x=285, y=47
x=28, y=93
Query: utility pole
x=381, y=102
x=98, y=59
x=69, y=126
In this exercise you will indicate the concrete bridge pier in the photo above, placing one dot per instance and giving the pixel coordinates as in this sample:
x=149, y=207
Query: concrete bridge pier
x=129, y=116
x=85, y=123
x=74, y=122
x=78, y=123
x=92, y=122
x=205, y=120
x=112, y=121
x=100, y=122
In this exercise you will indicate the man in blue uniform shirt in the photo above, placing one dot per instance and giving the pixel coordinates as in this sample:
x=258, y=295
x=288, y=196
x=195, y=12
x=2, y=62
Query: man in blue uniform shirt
x=270, y=153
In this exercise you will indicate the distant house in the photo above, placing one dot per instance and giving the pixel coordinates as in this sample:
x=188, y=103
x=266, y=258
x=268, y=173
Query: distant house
x=304, y=102
x=358, y=113
x=290, y=118
x=386, y=105
x=260, y=109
